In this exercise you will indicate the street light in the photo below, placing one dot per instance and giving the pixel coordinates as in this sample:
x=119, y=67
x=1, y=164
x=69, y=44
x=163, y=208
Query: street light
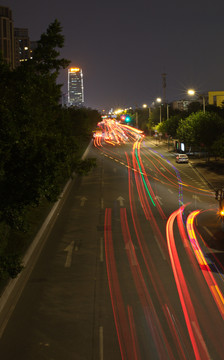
x=192, y=92
x=159, y=100
x=145, y=106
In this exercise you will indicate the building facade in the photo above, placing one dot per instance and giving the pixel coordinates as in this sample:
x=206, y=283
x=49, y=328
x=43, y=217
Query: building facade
x=181, y=105
x=75, y=87
x=22, y=45
x=216, y=98
x=7, y=46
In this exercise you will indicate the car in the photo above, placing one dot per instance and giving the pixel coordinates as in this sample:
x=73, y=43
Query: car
x=182, y=158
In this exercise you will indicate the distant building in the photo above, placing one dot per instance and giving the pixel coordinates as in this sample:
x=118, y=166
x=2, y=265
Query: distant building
x=22, y=45
x=181, y=105
x=75, y=87
x=216, y=98
x=7, y=47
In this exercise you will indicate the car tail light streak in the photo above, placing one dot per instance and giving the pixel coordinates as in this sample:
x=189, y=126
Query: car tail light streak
x=211, y=282
x=197, y=341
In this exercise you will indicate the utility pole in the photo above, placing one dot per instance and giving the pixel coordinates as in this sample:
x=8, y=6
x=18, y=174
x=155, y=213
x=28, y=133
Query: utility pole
x=164, y=87
x=136, y=119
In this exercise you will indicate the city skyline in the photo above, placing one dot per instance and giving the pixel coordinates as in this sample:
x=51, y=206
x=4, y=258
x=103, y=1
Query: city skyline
x=125, y=47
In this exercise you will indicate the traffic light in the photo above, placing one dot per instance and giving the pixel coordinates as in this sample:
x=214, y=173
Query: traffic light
x=127, y=118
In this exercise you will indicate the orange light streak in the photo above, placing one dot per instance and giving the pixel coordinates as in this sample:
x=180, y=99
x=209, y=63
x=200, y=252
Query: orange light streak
x=198, y=344
x=214, y=288
x=153, y=274
x=120, y=318
x=152, y=319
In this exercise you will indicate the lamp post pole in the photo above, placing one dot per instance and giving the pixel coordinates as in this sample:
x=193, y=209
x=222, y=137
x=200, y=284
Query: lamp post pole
x=159, y=100
x=167, y=111
x=192, y=92
x=136, y=119
x=203, y=104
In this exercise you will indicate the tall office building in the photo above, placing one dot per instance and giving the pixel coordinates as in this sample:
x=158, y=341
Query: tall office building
x=22, y=45
x=7, y=36
x=75, y=87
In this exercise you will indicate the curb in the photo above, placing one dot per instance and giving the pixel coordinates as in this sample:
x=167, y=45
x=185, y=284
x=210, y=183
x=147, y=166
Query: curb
x=202, y=176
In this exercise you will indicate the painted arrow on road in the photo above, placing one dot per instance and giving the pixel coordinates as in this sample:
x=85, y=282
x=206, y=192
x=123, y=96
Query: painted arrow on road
x=121, y=200
x=83, y=200
x=158, y=198
x=196, y=197
x=69, y=249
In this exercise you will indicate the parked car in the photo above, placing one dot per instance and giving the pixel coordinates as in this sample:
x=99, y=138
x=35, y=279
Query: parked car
x=182, y=158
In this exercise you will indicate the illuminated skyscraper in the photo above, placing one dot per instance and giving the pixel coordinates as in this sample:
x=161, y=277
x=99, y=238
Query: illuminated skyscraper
x=75, y=87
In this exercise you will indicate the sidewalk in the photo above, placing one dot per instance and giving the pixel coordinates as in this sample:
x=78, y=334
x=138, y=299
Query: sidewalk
x=212, y=171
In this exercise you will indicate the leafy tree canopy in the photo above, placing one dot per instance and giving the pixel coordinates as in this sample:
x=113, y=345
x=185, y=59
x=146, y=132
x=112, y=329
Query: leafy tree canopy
x=45, y=56
x=200, y=129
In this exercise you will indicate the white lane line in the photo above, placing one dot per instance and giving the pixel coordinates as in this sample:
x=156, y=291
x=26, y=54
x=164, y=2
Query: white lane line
x=161, y=250
x=101, y=342
x=101, y=249
x=209, y=232
x=102, y=203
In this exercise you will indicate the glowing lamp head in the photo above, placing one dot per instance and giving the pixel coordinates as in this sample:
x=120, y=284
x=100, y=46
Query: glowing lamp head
x=191, y=92
x=221, y=212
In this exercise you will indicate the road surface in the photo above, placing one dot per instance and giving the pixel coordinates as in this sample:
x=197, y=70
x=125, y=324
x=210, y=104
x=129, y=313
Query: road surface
x=129, y=269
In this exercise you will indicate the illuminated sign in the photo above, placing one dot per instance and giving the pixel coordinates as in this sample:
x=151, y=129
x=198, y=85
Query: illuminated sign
x=74, y=69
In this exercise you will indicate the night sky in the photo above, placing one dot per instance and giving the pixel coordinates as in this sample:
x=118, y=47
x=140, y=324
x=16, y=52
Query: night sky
x=124, y=46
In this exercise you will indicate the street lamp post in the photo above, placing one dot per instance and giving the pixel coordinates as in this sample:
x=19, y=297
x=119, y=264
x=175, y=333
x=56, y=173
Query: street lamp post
x=136, y=119
x=145, y=106
x=167, y=111
x=159, y=100
x=192, y=92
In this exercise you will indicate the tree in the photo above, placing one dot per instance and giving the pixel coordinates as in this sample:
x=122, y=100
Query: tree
x=218, y=146
x=38, y=144
x=200, y=129
x=170, y=125
x=45, y=56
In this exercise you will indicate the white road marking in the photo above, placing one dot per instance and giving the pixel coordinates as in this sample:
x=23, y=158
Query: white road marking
x=69, y=250
x=161, y=250
x=209, y=232
x=130, y=247
x=101, y=249
x=102, y=203
x=101, y=342
x=121, y=200
x=83, y=200
x=158, y=198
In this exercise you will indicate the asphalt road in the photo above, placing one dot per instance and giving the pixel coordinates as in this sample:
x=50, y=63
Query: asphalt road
x=130, y=269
